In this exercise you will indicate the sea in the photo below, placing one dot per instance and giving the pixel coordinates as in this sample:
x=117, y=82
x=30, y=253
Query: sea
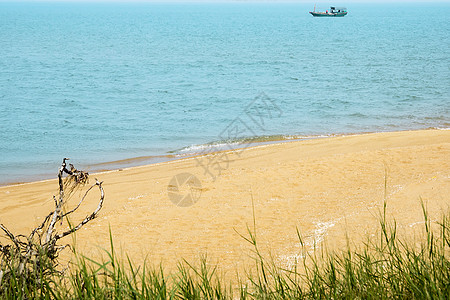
x=112, y=85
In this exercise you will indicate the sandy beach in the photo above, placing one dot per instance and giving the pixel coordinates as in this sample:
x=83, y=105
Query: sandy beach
x=328, y=188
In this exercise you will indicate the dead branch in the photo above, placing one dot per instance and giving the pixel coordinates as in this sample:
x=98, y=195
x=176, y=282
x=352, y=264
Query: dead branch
x=29, y=257
x=89, y=217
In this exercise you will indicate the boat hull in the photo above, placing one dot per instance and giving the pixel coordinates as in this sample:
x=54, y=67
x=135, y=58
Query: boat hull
x=321, y=14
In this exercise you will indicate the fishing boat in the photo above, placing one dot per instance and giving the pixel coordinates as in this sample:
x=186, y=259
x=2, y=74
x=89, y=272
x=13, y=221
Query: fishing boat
x=333, y=12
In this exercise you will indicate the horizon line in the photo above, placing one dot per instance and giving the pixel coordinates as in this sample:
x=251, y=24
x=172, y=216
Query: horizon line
x=229, y=1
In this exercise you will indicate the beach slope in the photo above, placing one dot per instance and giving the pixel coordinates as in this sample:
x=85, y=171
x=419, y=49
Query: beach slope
x=328, y=188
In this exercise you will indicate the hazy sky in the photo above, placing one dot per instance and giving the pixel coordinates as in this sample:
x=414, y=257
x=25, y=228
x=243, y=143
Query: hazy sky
x=309, y=2
x=274, y=1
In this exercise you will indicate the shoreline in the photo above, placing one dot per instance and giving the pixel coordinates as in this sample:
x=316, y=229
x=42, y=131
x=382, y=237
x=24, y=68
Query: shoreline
x=203, y=149
x=175, y=155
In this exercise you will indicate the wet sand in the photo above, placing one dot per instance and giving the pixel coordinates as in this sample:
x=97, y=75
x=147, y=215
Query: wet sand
x=327, y=188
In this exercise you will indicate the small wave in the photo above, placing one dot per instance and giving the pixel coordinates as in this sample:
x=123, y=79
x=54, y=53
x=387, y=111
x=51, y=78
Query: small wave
x=243, y=142
x=358, y=115
x=440, y=128
x=204, y=148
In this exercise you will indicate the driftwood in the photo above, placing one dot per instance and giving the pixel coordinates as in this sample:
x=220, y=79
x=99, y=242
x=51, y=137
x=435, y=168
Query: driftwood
x=28, y=258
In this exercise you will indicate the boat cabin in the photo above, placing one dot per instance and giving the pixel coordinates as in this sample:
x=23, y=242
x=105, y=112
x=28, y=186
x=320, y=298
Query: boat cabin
x=334, y=9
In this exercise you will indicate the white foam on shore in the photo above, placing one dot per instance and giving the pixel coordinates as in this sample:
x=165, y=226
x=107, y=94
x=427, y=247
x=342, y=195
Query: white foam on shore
x=206, y=148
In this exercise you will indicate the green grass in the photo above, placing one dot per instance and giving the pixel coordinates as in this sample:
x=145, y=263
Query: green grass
x=382, y=268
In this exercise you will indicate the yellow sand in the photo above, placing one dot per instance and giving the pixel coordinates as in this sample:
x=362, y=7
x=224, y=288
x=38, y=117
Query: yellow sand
x=326, y=187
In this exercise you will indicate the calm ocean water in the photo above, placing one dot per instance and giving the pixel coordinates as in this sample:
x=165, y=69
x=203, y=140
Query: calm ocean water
x=103, y=82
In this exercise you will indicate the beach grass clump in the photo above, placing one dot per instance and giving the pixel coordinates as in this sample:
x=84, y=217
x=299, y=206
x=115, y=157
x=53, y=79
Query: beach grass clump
x=385, y=268
x=382, y=268
x=23, y=278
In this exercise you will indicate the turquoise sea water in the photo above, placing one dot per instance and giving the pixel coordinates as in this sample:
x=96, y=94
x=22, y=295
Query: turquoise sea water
x=104, y=82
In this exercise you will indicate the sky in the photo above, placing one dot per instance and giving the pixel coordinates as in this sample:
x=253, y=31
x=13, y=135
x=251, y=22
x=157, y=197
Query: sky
x=212, y=1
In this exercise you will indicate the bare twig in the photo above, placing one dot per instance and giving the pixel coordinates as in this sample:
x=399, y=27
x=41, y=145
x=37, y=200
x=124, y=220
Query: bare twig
x=89, y=217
